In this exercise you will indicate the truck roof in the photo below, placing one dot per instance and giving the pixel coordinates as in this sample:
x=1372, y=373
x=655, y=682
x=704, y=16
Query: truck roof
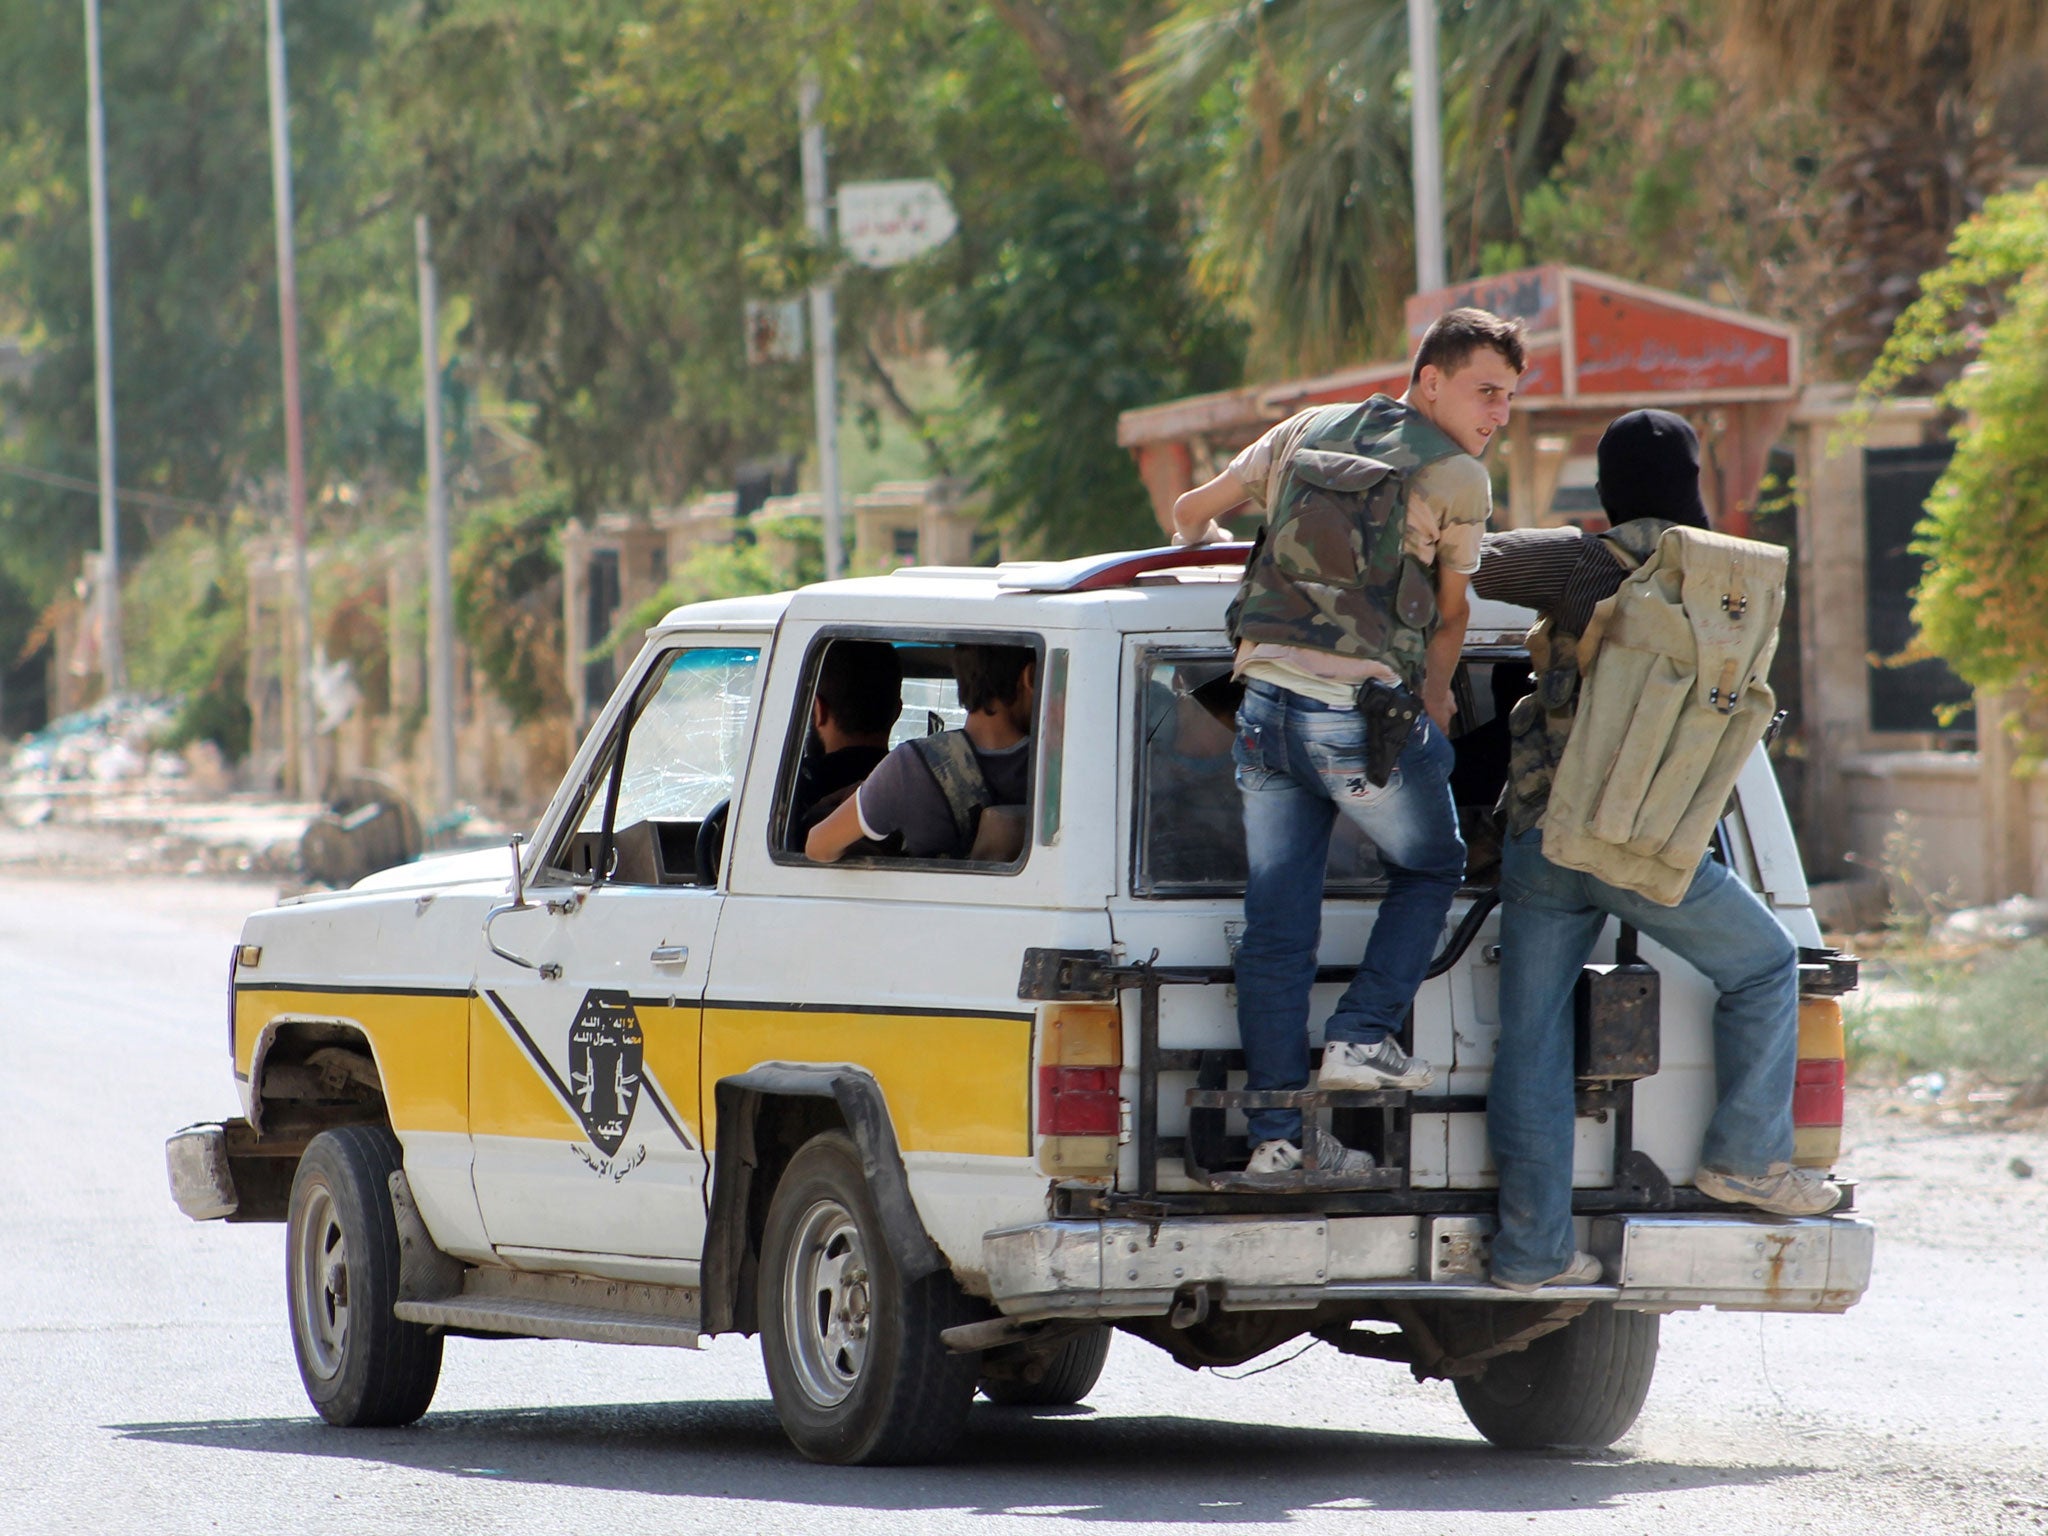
x=1134, y=591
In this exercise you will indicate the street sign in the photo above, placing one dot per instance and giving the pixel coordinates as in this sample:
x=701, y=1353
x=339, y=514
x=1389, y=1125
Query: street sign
x=775, y=331
x=885, y=223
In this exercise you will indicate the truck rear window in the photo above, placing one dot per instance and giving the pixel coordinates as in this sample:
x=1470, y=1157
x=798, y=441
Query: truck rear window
x=1190, y=829
x=1189, y=826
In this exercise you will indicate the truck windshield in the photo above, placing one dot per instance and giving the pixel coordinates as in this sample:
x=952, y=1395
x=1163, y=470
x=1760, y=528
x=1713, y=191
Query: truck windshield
x=684, y=755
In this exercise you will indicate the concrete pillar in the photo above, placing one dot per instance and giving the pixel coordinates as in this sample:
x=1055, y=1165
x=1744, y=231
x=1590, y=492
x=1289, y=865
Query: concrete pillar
x=407, y=673
x=1167, y=469
x=1833, y=639
x=575, y=568
x=1523, y=487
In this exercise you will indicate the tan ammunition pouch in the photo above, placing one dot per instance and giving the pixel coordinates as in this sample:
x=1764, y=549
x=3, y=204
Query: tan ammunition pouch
x=1671, y=704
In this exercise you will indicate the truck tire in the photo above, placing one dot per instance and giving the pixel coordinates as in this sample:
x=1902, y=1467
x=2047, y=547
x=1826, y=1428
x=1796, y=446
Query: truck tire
x=855, y=1364
x=1577, y=1389
x=1071, y=1371
x=362, y=1367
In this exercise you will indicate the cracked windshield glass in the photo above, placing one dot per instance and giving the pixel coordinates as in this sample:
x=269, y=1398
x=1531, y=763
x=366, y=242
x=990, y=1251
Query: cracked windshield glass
x=687, y=745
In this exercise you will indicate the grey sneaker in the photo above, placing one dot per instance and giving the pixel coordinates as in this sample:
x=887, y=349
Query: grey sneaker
x=1584, y=1269
x=1780, y=1189
x=1332, y=1156
x=1383, y=1064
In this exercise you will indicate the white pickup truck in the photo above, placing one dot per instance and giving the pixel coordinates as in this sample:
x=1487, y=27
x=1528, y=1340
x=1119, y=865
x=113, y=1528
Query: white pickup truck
x=931, y=1127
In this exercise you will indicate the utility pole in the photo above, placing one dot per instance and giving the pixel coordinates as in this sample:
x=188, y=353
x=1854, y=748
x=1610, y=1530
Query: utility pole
x=824, y=327
x=294, y=437
x=113, y=661
x=1427, y=131
x=440, y=595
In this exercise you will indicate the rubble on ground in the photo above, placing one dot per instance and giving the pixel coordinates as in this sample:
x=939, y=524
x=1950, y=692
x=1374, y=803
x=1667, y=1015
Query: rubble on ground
x=2011, y=921
x=115, y=741
x=1964, y=1101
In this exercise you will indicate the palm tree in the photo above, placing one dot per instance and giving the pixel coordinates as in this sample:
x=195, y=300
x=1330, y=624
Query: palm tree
x=1308, y=210
x=1909, y=86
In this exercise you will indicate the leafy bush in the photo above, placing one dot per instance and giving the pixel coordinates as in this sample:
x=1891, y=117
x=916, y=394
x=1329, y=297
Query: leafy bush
x=187, y=625
x=1983, y=604
x=508, y=598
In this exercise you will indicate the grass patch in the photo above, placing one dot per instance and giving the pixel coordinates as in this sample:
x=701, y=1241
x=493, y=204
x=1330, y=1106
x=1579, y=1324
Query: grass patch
x=1985, y=1013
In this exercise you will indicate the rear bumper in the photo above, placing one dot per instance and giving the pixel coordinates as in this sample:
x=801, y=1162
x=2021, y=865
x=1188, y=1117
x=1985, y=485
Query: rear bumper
x=1120, y=1268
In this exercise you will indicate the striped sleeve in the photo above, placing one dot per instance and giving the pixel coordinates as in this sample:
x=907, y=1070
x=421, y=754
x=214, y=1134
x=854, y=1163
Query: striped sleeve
x=1557, y=571
x=1528, y=566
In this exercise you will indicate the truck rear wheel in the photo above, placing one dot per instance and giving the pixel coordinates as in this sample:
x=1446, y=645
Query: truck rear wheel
x=1070, y=1373
x=362, y=1367
x=855, y=1363
x=1579, y=1388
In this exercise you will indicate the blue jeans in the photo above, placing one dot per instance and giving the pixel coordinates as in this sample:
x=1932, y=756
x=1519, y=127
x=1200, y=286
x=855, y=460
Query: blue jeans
x=1550, y=918
x=1300, y=764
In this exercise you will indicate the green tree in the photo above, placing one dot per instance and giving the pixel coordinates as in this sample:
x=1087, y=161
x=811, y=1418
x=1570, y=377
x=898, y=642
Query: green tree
x=1678, y=173
x=1908, y=87
x=610, y=184
x=1983, y=604
x=1308, y=205
x=613, y=186
x=1068, y=297
x=192, y=239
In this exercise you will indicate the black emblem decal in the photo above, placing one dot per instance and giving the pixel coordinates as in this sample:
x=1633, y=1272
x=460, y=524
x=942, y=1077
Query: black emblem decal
x=606, y=1049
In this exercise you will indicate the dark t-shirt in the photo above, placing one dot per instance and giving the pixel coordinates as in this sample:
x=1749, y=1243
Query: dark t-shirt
x=902, y=796
x=826, y=776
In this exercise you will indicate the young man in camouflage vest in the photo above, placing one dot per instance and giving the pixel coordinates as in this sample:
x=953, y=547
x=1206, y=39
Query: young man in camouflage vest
x=1551, y=916
x=1349, y=627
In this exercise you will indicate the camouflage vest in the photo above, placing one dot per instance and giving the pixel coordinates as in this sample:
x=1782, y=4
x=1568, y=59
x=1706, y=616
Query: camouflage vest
x=1540, y=724
x=1329, y=571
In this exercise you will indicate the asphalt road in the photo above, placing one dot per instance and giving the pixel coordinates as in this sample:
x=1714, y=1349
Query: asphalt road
x=147, y=1383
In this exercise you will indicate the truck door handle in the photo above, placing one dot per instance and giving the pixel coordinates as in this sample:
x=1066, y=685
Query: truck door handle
x=677, y=955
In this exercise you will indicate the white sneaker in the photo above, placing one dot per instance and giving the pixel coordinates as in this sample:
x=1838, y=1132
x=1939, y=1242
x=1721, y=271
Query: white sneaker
x=1383, y=1064
x=1780, y=1189
x=1584, y=1269
x=1332, y=1156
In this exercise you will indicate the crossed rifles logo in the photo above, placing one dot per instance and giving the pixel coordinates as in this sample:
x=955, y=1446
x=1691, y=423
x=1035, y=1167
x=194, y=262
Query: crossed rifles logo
x=607, y=1051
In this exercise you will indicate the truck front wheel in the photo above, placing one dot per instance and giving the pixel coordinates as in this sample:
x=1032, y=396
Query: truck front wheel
x=855, y=1363
x=362, y=1367
x=1579, y=1388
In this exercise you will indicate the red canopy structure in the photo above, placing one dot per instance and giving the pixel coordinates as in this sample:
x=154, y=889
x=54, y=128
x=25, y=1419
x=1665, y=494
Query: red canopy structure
x=1598, y=346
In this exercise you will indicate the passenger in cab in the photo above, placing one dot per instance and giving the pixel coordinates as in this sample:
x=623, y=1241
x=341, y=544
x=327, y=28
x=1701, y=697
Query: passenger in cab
x=932, y=798
x=860, y=694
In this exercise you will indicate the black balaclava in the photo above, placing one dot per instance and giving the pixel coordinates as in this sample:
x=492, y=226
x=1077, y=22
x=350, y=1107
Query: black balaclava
x=1650, y=467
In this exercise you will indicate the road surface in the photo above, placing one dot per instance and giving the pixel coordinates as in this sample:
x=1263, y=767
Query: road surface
x=147, y=1383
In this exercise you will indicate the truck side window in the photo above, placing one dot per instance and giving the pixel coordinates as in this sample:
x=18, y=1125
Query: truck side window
x=837, y=741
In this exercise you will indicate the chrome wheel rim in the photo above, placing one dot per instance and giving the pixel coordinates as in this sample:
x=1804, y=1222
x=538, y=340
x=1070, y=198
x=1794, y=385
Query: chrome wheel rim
x=827, y=1304
x=320, y=1265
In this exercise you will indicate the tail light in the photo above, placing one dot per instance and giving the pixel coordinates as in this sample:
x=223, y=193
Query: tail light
x=1080, y=1111
x=1078, y=1101
x=1819, y=1084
